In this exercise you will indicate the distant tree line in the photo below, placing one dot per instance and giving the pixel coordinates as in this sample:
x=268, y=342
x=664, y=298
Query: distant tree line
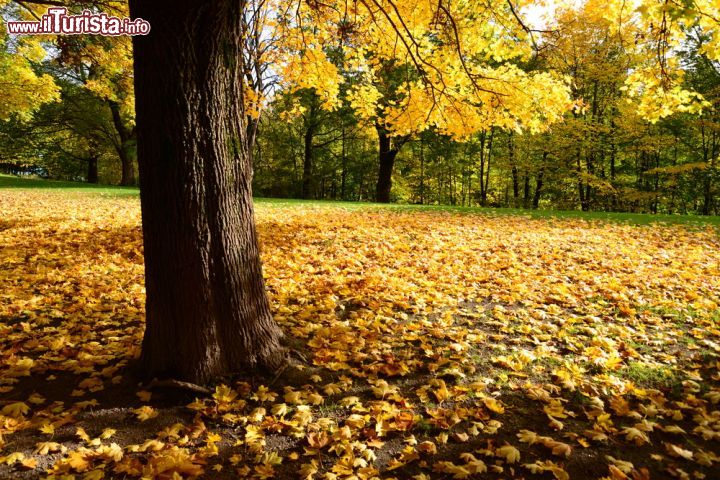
x=604, y=156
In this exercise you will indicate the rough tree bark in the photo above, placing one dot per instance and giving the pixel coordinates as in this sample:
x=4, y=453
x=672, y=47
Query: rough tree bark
x=207, y=309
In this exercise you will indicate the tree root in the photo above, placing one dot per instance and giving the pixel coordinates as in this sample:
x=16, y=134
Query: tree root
x=170, y=383
x=299, y=355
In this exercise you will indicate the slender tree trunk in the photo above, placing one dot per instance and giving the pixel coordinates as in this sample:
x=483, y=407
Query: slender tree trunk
x=92, y=173
x=583, y=192
x=343, y=174
x=514, y=171
x=127, y=149
x=422, y=171
x=484, y=192
x=656, y=185
x=516, y=186
x=306, y=191
x=207, y=310
x=481, y=173
x=127, y=161
x=539, y=184
x=538, y=190
x=361, y=186
x=451, y=184
x=709, y=160
x=526, y=191
x=387, y=154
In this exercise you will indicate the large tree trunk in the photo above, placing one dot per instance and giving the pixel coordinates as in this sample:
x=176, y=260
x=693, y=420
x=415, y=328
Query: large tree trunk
x=386, y=154
x=207, y=309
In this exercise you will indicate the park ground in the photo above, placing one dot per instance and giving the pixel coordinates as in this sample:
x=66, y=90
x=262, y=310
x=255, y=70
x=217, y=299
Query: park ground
x=438, y=343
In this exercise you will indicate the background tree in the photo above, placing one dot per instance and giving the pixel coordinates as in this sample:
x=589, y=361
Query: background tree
x=101, y=65
x=24, y=89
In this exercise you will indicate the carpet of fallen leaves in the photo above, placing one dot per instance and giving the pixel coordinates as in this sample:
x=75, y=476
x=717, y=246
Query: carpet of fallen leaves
x=442, y=346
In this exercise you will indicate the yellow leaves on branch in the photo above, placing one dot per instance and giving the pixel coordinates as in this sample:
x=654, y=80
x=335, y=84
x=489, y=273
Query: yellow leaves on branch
x=24, y=91
x=458, y=80
x=113, y=73
x=650, y=34
x=655, y=98
x=424, y=64
x=313, y=70
x=509, y=98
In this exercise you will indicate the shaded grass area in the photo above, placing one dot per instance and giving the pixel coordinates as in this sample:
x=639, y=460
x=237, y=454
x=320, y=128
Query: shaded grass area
x=13, y=182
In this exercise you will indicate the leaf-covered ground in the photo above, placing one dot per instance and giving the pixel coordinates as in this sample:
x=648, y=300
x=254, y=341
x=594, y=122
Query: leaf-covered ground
x=439, y=345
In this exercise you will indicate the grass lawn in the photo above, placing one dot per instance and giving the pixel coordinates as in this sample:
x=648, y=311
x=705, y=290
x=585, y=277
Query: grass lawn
x=13, y=182
x=21, y=183
x=439, y=343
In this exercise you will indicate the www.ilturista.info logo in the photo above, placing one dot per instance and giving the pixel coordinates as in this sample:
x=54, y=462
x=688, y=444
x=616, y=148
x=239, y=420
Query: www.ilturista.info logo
x=57, y=22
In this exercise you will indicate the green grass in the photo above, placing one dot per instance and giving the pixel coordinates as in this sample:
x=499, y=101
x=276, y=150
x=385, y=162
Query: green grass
x=12, y=182
x=20, y=183
x=650, y=376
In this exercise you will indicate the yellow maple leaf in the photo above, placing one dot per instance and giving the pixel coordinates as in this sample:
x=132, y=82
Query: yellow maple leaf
x=13, y=458
x=676, y=451
x=43, y=448
x=634, y=435
x=16, y=409
x=224, y=394
x=82, y=434
x=78, y=461
x=145, y=413
x=308, y=470
x=494, y=405
x=509, y=453
x=48, y=429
